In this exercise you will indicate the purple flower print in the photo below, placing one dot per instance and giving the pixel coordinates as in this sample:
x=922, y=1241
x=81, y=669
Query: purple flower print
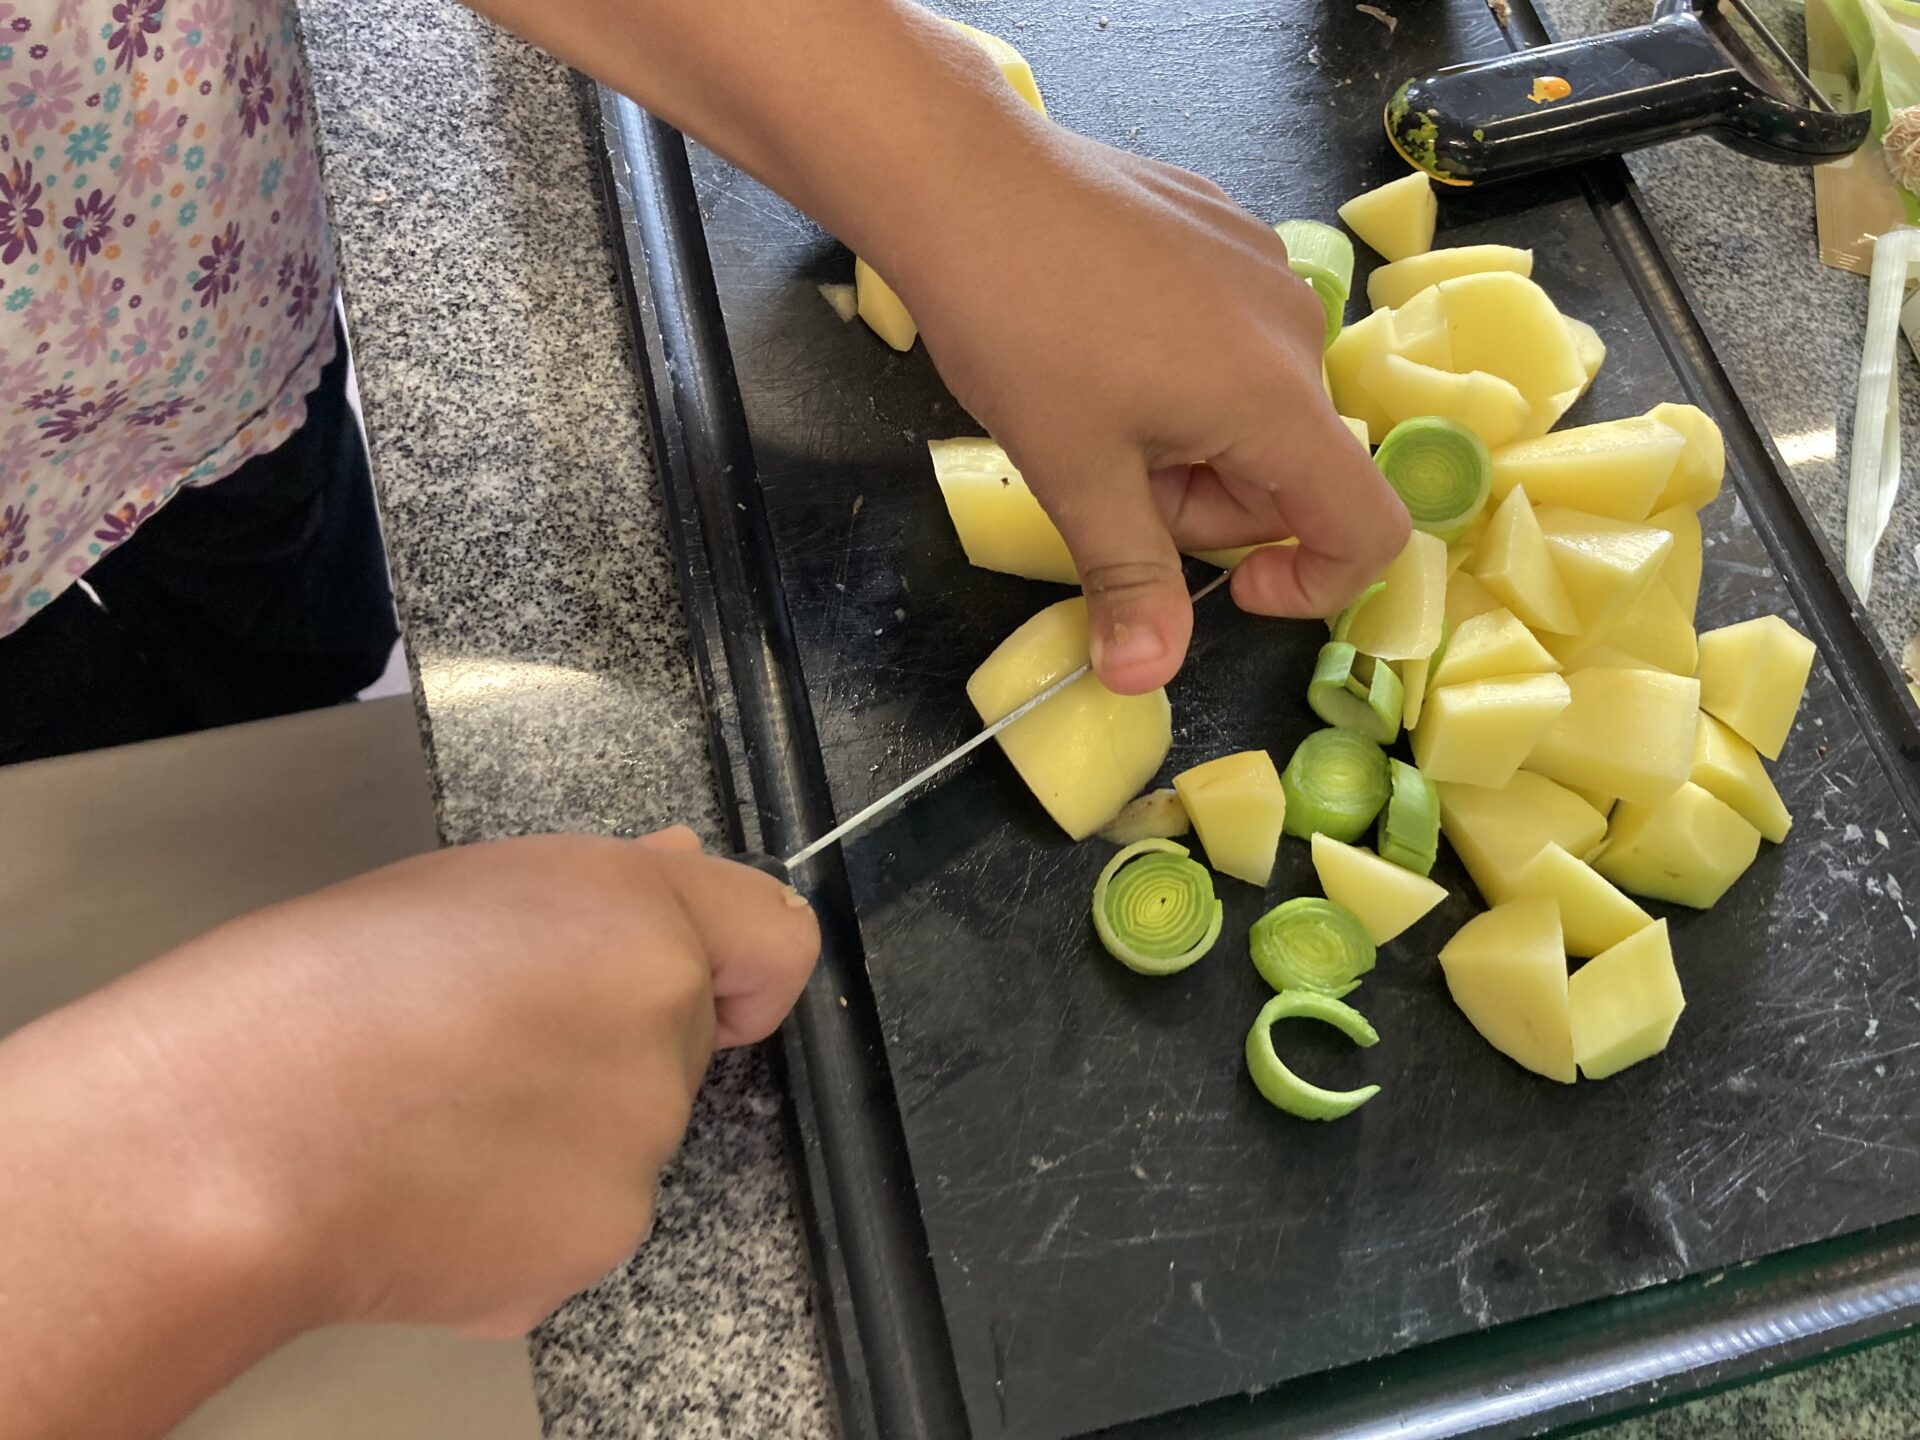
x=121, y=521
x=150, y=147
x=44, y=310
x=296, y=102
x=25, y=376
x=50, y=399
x=68, y=518
x=159, y=256
x=91, y=335
x=148, y=348
x=20, y=212
x=226, y=172
x=160, y=412
x=231, y=67
x=256, y=91
x=42, y=100
x=305, y=293
x=133, y=22
x=79, y=421
x=202, y=33
x=88, y=227
x=13, y=535
x=219, y=267
x=66, y=21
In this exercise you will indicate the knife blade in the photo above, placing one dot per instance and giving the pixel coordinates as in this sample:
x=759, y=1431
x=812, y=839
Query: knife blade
x=780, y=869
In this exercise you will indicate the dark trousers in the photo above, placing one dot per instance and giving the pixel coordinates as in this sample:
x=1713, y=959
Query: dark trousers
x=262, y=594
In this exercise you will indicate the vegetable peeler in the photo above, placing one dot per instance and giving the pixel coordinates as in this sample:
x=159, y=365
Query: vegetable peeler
x=1685, y=72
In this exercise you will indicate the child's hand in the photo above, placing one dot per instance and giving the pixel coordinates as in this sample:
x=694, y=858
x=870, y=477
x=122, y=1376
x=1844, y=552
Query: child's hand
x=1115, y=322
x=446, y=1089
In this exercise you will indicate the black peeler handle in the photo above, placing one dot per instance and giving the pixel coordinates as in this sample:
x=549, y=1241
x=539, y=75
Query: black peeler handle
x=765, y=864
x=1580, y=100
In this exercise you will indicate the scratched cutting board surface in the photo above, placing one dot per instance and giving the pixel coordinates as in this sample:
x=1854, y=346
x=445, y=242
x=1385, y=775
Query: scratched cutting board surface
x=1119, y=1225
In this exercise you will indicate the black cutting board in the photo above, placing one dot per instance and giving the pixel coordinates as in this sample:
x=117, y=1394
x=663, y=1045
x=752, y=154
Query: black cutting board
x=1119, y=1226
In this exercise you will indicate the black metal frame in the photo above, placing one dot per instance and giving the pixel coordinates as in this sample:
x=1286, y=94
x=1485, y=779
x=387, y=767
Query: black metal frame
x=885, y=1330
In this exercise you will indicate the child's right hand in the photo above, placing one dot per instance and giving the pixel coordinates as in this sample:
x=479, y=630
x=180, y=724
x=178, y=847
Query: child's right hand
x=441, y=1092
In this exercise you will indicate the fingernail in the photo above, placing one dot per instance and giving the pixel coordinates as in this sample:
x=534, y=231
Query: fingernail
x=795, y=900
x=1128, y=644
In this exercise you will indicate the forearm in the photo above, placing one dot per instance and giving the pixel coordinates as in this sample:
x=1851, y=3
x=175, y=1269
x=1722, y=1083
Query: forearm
x=135, y=1273
x=873, y=116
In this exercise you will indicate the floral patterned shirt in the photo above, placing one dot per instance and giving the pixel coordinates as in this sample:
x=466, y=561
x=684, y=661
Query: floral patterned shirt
x=166, y=274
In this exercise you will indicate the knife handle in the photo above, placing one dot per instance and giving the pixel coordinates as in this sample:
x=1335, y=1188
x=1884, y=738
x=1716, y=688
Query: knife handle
x=765, y=864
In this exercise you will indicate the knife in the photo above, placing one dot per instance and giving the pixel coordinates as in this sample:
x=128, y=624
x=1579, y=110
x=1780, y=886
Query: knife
x=781, y=869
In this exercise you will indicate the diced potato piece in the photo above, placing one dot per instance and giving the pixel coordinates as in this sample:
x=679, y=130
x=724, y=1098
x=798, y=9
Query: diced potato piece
x=1479, y=733
x=1420, y=331
x=1387, y=899
x=1238, y=809
x=1393, y=285
x=1627, y=733
x=1496, y=832
x=1689, y=848
x=1346, y=356
x=1505, y=324
x=1593, y=914
x=1588, y=345
x=1156, y=815
x=1615, y=468
x=1729, y=769
x=1396, y=219
x=1687, y=559
x=1582, y=652
x=1753, y=675
x=1507, y=972
x=1358, y=429
x=1485, y=404
x=1414, y=676
x=1467, y=597
x=881, y=308
x=1702, y=465
x=1085, y=752
x=1655, y=629
x=1012, y=63
x=844, y=300
x=1602, y=803
x=1604, y=564
x=1624, y=1003
x=1403, y=621
x=1489, y=646
x=1513, y=562
x=999, y=520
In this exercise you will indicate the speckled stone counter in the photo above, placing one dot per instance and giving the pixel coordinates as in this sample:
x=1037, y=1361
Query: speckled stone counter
x=536, y=584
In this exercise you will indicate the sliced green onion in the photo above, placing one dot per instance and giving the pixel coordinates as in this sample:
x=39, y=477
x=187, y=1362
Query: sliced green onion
x=1441, y=470
x=1343, y=622
x=1154, y=908
x=1342, y=692
x=1311, y=944
x=1323, y=257
x=1286, y=1090
x=1410, y=825
x=1336, y=783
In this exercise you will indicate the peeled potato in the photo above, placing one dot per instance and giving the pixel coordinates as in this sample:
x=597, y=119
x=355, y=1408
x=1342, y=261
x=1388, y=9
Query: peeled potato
x=999, y=520
x=1086, y=752
x=1396, y=219
x=1624, y=1003
x=1507, y=971
x=1752, y=676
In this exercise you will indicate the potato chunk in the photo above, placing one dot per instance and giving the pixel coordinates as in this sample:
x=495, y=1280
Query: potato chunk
x=1505, y=325
x=1605, y=564
x=1086, y=752
x=885, y=315
x=1702, y=464
x=1615, y=468
x=1480, y=732
x=1689, y=848
x=1594, y=915
x=1753, y=675
x=1624, y=1003
x=1387, y=899
x=1512, y=560
x=1627, y=732
x=1238, y=809
x=1403, y=621
x=1507, y=971
x=999, y=520
x=1496, y=832
x=1487, y=405
x=1486, y=647
x=1729, y=769
x=1397, y=218
x=1394, y=285
x=1687, y=559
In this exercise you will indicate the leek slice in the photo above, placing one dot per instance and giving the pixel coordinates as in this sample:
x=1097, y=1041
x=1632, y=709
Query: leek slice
x=1154, y=908
x=1311, y=944
x=1323, y=257
x=1441, y=471
x=1343, y=693
x=1410, y=825
x=1336, y=783
x=1343, y=622
x=1281, y=1087
x=1873, y=472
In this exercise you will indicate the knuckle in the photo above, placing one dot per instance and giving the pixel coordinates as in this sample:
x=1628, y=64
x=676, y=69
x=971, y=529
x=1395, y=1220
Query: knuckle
x=1121, y=579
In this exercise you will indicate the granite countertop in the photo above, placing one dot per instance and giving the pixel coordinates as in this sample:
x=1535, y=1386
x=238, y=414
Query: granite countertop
x=537, y=589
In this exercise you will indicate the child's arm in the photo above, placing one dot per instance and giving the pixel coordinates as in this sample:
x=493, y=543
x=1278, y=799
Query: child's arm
x=438, y=1093
x=1109, y=319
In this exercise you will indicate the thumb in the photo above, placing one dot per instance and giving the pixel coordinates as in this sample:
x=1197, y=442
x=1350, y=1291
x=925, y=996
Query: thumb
x=1138, y=616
